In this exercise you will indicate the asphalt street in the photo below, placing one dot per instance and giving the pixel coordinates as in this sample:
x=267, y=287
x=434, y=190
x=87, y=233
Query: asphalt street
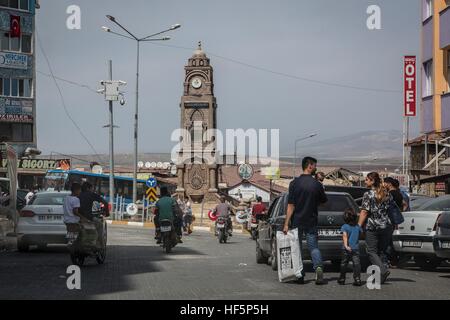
x=200, y=268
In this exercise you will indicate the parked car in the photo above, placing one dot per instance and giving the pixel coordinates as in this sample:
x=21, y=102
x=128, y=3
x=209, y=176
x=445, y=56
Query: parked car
x=417, y=200
x=441, y=241
x=41, y=221
x=357, y=193
x=329, y=229
x=414, y=238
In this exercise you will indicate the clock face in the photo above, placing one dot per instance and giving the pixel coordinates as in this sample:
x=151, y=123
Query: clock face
x=245, y=171
x=196, y=83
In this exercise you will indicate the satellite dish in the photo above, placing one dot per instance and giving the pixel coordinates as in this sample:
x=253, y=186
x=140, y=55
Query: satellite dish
x=159, y=165
x=153, y=165
x=173, y=170
x=166, y=165
x=140, y=164
x=148, y=165
x=97, y=169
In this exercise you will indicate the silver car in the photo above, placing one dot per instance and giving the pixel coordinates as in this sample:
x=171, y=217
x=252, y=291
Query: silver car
x=41, y=221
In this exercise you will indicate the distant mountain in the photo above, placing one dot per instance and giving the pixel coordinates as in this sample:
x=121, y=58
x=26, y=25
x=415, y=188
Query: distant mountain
x=359, y=146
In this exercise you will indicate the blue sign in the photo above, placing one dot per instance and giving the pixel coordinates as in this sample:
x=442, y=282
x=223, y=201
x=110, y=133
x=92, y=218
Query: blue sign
x=151, y=183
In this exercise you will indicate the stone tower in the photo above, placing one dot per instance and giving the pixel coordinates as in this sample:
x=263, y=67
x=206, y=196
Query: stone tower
x=197, y=169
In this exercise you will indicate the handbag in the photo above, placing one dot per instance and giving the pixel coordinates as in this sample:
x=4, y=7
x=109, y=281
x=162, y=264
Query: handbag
x=395, y=215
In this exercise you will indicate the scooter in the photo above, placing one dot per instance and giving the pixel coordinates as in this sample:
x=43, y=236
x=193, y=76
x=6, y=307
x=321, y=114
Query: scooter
x=88, y=240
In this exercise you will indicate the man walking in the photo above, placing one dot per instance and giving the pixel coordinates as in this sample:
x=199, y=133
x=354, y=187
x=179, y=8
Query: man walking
x=305, y=196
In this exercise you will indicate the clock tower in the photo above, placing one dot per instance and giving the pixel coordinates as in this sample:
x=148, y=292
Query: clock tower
x=197, y=169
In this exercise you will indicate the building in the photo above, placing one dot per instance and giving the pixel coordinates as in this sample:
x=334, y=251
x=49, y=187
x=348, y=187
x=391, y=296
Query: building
x=197, y=174
x=18, y=89
x=430, y=151
x=18, y=74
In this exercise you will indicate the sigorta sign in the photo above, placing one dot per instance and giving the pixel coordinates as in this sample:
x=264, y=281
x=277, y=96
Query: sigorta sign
x=38, y=164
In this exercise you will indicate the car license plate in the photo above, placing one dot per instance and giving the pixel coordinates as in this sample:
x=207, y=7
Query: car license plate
x=49, y=218
x=220, y=226
x=166, y=229
x=329, y=232
x=445, y=245
x=412, y=244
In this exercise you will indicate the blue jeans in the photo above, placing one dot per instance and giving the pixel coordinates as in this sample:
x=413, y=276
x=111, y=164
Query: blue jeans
x=313, y=245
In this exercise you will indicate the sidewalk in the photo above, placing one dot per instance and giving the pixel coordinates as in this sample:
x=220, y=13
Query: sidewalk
x=151, y=225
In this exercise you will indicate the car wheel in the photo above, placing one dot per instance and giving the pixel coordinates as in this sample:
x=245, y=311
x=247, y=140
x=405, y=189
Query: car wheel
x=260, y=258
x=274, y=257
x=427, y=263
x=336, y=264
x=22, y=246
x=77, y=259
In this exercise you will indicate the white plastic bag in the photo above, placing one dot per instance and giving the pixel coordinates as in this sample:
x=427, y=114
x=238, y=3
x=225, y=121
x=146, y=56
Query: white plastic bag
x=290, y=264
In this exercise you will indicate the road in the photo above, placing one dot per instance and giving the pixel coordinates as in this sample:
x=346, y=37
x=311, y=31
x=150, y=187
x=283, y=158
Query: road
x=200, y=268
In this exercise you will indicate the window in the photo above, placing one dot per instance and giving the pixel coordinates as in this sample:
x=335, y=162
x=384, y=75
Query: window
x=4, y=41
x=22, y=44
x=16, y=132
x=6, y=87
x=15, y=4
x=427, y=79
x=24, y=5
x=428, y=9
x=16, y=88
x=26, y=43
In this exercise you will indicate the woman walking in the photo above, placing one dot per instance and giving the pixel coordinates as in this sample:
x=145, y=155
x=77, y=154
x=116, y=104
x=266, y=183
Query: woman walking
x=374, y=213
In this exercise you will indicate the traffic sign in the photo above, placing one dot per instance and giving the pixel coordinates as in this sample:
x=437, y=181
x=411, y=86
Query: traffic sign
x=132, y=209
x=151, y=182
x=151, y=195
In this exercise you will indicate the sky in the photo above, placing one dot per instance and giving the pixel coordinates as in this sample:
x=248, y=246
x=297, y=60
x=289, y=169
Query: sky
x=270, y=48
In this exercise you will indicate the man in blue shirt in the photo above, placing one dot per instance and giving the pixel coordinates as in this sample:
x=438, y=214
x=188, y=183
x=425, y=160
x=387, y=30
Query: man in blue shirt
x=350, y=248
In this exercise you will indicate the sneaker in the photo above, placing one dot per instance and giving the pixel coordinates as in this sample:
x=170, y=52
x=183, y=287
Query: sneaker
x=179, y=240
x=341, y=281
x=158, y=241
x=357, y=282
x=319, y=276
x=300, y=280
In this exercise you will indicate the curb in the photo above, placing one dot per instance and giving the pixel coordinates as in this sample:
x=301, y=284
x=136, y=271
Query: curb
x=151, y=225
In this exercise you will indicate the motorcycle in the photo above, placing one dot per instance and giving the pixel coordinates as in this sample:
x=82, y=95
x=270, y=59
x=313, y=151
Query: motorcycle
x=168, y=235
x=222, y=229
x=254, y=227
x=88, y=240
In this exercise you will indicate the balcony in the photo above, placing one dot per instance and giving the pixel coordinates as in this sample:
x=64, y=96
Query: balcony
x=427, y=115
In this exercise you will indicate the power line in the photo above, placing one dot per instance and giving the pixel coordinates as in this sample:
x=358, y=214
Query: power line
x=85, y=86
x=63, y=101
x=325, y=83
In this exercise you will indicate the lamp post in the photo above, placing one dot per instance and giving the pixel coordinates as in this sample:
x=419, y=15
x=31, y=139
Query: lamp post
x=149, y=38
x=295, y=152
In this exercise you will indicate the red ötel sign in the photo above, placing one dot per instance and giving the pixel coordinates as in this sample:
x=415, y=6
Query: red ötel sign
x=410, y=79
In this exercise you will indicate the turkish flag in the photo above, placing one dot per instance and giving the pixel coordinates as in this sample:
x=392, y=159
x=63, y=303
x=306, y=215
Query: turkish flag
x=15, y=27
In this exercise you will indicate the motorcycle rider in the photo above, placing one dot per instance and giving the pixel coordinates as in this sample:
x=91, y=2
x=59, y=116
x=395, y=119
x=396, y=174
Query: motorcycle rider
x=259, y=209
x=87, y=198
x=167, y=208
x=72, y=215
x=223, y=210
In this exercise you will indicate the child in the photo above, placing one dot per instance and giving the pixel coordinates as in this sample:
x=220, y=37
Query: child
x=350, y=234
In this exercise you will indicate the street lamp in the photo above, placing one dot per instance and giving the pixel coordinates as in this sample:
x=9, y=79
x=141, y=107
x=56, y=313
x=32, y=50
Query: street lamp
x=295, y=152
x=149, y=38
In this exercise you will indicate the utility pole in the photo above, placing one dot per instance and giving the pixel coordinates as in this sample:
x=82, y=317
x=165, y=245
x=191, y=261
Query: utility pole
x=112, y=93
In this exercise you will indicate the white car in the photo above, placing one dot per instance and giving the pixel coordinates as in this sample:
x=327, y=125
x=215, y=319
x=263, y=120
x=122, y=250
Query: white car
x=414, y=237
x=41, y=221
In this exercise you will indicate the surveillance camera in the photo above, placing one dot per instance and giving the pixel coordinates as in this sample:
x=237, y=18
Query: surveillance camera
x=122, y=101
